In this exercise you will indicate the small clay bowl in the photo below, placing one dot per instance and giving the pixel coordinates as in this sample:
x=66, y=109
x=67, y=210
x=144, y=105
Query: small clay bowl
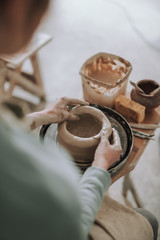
x=81, y=137
x=147, y=99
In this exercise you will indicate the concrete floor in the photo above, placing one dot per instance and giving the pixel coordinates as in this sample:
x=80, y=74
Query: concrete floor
x=126, y=28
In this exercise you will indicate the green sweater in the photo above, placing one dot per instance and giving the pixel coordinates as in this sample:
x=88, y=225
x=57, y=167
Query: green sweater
x=41, y=196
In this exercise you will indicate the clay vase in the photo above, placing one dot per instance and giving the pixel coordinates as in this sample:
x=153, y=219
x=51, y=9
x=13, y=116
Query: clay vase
x=81, y=137
x=151, y=96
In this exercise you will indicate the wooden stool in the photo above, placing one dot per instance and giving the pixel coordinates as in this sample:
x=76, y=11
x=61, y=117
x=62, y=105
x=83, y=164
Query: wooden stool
x=11, y=70
x=129, y=185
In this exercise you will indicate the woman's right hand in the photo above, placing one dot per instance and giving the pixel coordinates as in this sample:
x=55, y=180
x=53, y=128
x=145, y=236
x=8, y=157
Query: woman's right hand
x=107, y=153
x=55, y=113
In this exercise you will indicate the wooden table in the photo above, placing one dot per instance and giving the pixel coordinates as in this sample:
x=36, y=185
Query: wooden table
x=139, y=146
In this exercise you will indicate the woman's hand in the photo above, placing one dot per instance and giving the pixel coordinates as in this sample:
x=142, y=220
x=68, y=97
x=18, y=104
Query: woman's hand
x=60, y=109
x=107, y=153
x=55, y=113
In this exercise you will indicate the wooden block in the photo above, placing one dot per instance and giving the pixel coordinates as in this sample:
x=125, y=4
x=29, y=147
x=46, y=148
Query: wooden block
x=130, y=109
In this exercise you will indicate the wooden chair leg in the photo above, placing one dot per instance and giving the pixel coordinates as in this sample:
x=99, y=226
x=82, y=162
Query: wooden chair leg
x=2, y=85
x=36, y=71
x=11, y=88
x=25, y=83
x=125, y=186
x=128, y=185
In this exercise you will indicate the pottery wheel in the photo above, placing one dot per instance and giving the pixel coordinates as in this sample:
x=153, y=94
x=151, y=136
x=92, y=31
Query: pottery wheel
x=48, y=134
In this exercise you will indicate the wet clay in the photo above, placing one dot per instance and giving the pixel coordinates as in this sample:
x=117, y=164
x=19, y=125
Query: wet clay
x=106, y=76
x=81, y=137
x=87, y=126
x=106, y=70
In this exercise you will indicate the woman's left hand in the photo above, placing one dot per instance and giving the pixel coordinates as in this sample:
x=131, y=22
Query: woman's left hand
x=55, y=113
x=107, y=153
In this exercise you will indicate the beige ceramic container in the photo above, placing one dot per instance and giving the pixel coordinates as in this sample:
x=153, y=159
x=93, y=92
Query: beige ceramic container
x=150, y=97
x=82, y=137
x=104, y=77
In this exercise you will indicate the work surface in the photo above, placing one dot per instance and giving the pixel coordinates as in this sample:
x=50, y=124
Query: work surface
x=139, y=144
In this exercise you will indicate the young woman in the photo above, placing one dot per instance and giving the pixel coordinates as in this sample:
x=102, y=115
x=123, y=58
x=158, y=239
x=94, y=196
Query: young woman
x=40, y=195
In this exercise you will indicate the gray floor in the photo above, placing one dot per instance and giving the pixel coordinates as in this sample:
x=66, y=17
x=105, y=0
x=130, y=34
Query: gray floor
x=126, y=28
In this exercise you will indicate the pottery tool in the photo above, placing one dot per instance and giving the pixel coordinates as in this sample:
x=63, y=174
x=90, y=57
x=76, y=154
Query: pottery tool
x=143, y=135
x=154, y=92
x=136, y=86
x=144, y=126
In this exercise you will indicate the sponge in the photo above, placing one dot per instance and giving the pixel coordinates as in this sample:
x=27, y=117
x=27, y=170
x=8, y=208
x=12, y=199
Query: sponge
x=130, y=109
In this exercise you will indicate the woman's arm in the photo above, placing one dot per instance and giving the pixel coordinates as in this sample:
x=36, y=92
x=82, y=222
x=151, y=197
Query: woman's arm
x=96, y=180
x=94, y=183
x=54, y=113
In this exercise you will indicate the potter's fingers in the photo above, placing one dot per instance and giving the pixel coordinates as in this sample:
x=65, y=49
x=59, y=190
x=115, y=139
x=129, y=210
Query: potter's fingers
x=72, y=117
x=61, y=102
x=104, y=138
x=69, y=116
x=73, y=102
x=116, y=140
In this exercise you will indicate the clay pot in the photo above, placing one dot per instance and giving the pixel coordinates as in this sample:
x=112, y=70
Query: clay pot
x=151, y=96
x=82, y=137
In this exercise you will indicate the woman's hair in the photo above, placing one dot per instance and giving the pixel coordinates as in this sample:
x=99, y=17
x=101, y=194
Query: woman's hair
x=38, y=5
x=18, y=21
x=35, y=6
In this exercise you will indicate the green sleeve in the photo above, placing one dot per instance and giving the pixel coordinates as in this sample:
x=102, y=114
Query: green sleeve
x=40, y=192
x=38, y=188
x=93, y=185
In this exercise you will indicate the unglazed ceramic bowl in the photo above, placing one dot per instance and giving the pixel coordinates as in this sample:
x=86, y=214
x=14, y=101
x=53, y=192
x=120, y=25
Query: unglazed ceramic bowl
x=151, y=96
x=81, y=137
